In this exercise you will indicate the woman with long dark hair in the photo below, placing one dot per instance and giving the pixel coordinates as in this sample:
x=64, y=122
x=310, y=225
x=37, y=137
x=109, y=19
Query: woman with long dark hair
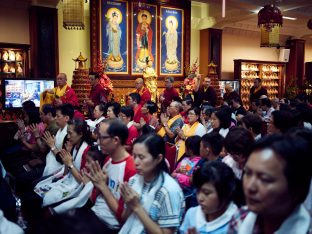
x=153, y=198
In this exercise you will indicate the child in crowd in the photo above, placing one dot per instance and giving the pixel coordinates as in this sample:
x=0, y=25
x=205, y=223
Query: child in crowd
x=185, y=168
x=215, y=183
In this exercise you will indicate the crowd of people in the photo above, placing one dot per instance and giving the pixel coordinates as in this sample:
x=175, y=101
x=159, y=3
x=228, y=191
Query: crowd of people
x=184, y=166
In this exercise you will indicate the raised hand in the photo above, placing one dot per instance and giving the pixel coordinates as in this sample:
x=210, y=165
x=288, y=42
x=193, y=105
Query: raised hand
x=66, y=158
x=20, y=124
x=85, y=179
x=34, y=130
x=180, y=133
x=68, y=146
x=49, y=139
x=97, y=175
x=164, y=118
x=130, y=197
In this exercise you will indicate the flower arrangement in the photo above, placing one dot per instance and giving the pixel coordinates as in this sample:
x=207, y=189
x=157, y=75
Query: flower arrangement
x=188, y=85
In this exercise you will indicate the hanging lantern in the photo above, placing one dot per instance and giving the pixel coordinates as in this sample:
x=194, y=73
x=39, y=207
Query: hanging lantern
x=73, y=14
x=270, y=19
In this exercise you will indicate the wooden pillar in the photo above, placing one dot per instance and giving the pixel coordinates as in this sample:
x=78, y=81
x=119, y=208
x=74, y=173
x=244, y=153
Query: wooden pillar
x=44, y=42
x=210, y=49
x=295, y=66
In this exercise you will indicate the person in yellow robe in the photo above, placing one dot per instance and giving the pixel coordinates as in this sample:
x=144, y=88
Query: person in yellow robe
x=61, y=94
x=194, y=127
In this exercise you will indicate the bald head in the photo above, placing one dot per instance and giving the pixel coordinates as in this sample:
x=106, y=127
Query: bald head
x=175, y=108
x=139, y=82
x=228, y=87
x=61, y=79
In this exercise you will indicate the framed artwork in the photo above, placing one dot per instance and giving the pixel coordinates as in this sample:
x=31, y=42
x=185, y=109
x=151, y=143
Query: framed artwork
x=171, y=43
x=114, y=35
x=144, y=36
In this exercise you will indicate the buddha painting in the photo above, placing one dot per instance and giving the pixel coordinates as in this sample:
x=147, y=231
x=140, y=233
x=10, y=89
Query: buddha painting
x=114, y=33
x=144, y=39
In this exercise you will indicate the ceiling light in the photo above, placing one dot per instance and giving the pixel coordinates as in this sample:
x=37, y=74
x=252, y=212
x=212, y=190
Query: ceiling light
x=289, y=18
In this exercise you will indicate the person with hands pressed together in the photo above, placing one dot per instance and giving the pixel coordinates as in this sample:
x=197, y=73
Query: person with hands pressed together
x=194, y=127
x=79, y=138
x=117, y=169
x=154, y=200
x=170, y=125
x=63, y=114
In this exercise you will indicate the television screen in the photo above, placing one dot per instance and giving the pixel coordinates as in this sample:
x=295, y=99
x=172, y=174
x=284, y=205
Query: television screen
x=19, y=91
x=234, y=84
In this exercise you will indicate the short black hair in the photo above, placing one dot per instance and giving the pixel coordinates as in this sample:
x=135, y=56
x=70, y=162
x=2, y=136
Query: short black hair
x=266, y=102
x=127, y=111
x=117, y=128
x=48, y=108
x=136, y=97
x=151, y=106
x=258, y=79
x=283, y=120
x=239, y=141
x=96, y=154
x=193, y=143
x=221, y=176
x=116, y=107
x=188, y=101
x=224, y=116
x=101, y=107
x=214, y=141
x=295, y=151
x=195, y=109
x=253, y=121
x=66, y=109
x=28, y=105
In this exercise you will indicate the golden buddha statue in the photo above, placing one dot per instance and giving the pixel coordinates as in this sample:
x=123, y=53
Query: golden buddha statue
x=150, y=79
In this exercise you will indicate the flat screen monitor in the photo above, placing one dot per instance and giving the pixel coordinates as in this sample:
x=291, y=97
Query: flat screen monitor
x=234, y=84
x=17, y=91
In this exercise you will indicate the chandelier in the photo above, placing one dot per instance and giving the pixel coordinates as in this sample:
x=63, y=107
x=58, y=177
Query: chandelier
x=73, y=14
x=270, y=20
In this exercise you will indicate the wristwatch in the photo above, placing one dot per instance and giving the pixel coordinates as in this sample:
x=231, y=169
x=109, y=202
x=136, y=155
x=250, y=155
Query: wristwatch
x=53, y=148
x=70, y=167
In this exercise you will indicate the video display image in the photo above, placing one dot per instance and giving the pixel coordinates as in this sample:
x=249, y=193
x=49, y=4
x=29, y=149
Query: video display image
x=19, y=91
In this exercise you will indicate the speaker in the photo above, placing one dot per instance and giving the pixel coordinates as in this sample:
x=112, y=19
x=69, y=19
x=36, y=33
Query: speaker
x=284, y=55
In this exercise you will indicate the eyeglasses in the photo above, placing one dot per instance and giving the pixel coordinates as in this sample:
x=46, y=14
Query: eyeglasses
x=102, y=138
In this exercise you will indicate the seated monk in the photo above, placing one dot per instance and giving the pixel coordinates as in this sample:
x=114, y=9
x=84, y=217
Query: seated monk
x=61, y=94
